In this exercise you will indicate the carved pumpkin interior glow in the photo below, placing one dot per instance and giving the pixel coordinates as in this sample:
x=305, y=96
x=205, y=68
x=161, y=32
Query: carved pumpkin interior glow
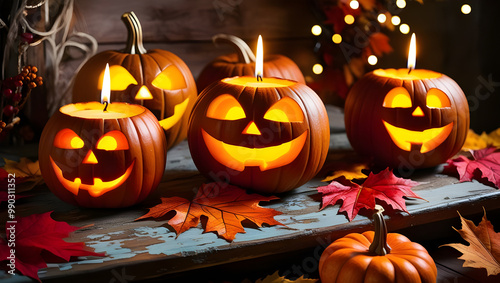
x=429, y=139
x=93, y=158
x=156, y=79
x=226, y=107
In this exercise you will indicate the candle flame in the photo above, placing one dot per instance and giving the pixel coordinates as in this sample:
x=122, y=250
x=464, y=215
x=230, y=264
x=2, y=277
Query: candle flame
x=259, y=60
x=106, y=85
x=412, y=53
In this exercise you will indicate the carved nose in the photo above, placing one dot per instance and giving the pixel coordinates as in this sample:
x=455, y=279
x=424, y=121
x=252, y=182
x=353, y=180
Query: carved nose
x=90, y=158
x=418, y=112
x=143, y=93
x=251, y=129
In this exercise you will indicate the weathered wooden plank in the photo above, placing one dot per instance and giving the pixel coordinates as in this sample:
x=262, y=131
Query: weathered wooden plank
x=195, y=20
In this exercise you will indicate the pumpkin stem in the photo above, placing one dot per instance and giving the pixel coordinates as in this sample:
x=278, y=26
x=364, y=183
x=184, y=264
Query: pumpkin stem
x=134, y=36
x=245, y=54
x=379, y=245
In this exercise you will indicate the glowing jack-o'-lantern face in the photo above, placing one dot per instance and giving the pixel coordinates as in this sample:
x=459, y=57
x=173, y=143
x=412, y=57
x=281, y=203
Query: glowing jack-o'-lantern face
x=157, y=79
x=429, y=138
x=265, y=155
x=406, y=120
x=93, y=158
x=270, y=139
x=96, y=186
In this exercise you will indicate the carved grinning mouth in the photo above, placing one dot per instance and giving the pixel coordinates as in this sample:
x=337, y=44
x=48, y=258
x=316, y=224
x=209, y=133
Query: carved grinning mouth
x=97, y=189
x=429, y=139
x=179, y=110
x=237, y=157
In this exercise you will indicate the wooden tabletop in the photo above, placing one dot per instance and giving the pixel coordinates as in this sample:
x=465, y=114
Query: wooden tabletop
x=140, y=250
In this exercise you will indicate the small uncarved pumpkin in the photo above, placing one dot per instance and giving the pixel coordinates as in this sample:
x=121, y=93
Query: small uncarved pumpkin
x=242, y=63
x=376, y=257
x=157, y=79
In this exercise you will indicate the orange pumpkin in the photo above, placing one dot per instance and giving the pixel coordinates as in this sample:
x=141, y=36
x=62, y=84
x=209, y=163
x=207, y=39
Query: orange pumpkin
x=406, y=120
x=376, y=257
x=270, y=138
x=106, y=160
x=157, y=79
x=242, y=63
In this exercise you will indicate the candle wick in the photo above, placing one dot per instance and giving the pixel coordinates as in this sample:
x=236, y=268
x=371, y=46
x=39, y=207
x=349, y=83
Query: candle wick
x=259, y=77
x=105, y=106
x=409, y=71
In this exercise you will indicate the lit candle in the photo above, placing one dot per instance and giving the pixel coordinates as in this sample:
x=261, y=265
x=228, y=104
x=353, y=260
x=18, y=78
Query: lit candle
x=266, y=134
x=412, y=118
x=102, y=154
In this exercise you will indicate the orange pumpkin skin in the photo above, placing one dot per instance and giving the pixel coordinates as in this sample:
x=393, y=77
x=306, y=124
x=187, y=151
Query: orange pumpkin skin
x=145, y=157
x=369, y=136
x=348, y=260
x=255, y=102
x=235, y=64
x=144, y=66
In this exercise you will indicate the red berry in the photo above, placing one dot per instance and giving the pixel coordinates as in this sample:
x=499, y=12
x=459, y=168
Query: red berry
x=17, y=97
x=7, y=92
x=27, y=37
x=18, y=83
x=8, y=110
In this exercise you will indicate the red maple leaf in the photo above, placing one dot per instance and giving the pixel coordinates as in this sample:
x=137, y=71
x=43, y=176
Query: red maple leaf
x=383, y=186
x=37, y=239
x=224, y=206
x=485, y=163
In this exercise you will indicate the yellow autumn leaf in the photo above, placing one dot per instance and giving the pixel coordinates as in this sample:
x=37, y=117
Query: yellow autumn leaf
x=276, y=278
x=26, y=169
x=475, y=141
x=351, y=171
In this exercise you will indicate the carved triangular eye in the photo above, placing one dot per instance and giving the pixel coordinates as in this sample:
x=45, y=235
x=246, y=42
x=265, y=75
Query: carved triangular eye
x=225, y=107
x=285, y=110
x=397, y=97
x=170, y=79
x=437, y=99
x=120, y=78
x=114, y=140
x=67, y=139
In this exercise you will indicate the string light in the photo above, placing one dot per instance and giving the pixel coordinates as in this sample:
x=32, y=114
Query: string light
x=466, y=9
x=316, y=30
x=354, y=4
x=337, y=38
x=404, y=28
x=381, y=18
x=317, y=69
x=349, y=19
x=372, y=60
x=401, y=4
x=395, y=20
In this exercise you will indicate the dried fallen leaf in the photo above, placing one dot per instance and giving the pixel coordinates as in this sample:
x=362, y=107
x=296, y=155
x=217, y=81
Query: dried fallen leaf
x=384, y=187
x=39, y=239
x=484, y=165
x=350, y=171
x=27, y=173
x=224, y=206
x=276, y=278
x=483, y=250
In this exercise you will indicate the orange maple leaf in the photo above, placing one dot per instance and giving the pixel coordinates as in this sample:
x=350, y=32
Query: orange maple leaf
x=484, y=248
x=224, y=206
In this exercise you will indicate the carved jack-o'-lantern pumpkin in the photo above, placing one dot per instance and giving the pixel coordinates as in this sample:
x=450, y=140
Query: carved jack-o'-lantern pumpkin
x=270, y=136
x=406, y=119
x=157, y=79
x=95, y=159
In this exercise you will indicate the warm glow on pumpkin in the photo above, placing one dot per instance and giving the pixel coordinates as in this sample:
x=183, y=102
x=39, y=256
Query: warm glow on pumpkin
x=171, y=78
x=90, y=158
x=397, y=97
x=179, y=111
x=98, y=188
x=417, y=74
x=143, y=93
x=437, y=99
x=67, y=139
x=225, y=107
x=285, y=110
x=238, y=157
x=418, y=112
x=252, y=82
x=429, y=139
x=251, y=129
x=114, y=140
